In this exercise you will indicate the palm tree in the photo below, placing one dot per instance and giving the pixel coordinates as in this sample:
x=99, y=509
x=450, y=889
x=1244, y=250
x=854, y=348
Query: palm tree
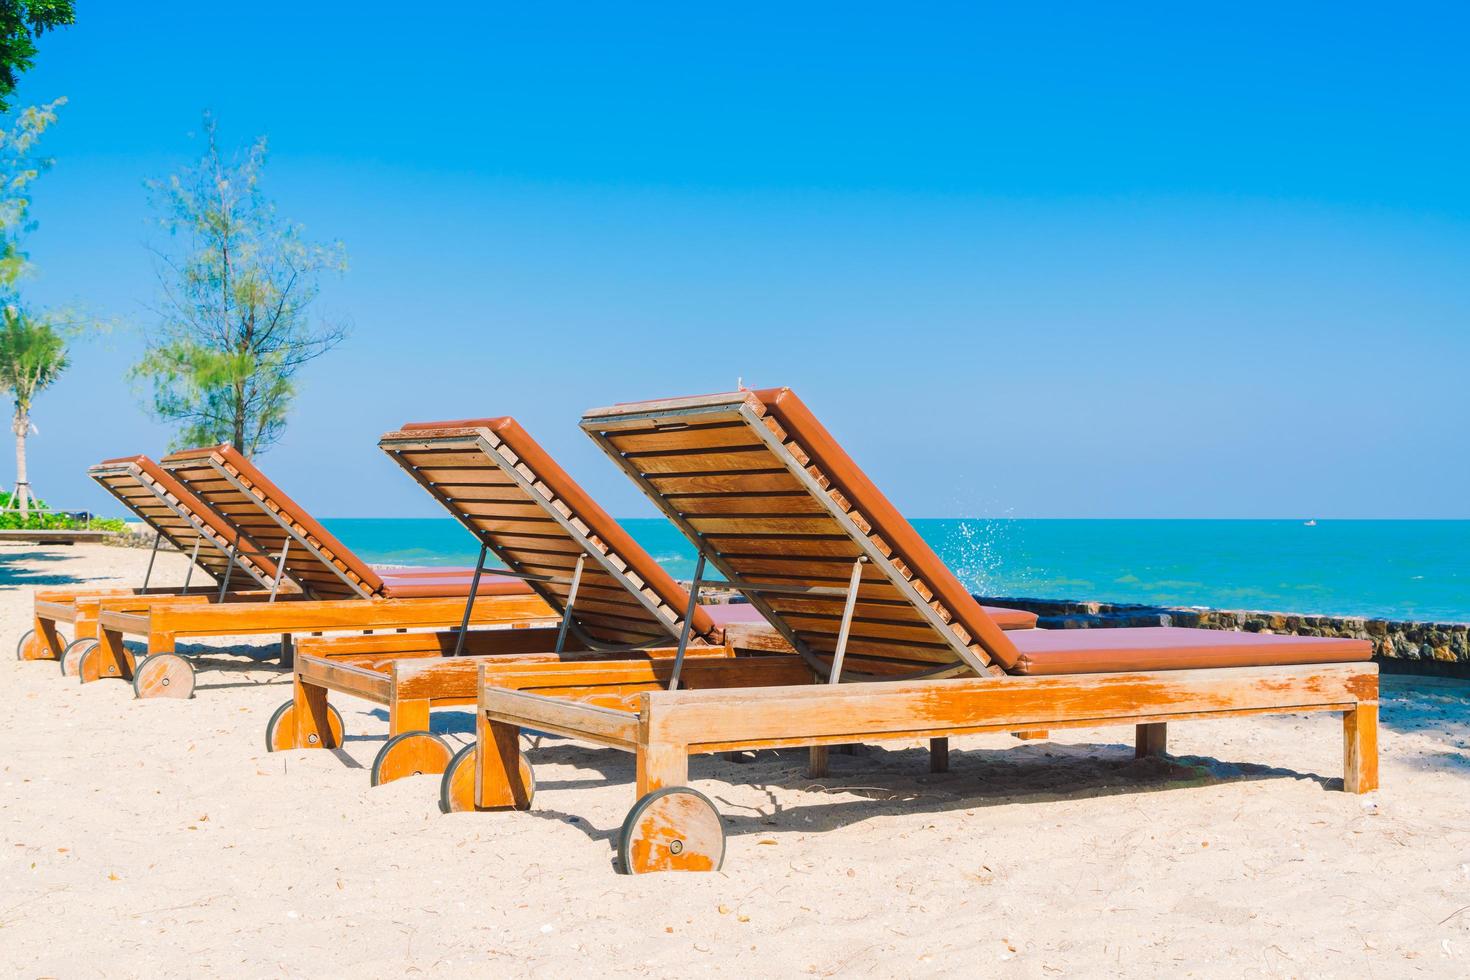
x=32, y=357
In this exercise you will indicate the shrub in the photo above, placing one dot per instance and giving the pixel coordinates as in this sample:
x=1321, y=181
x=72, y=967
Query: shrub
x=44, y=520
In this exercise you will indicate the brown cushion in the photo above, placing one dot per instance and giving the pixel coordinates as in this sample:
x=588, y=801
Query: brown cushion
x=1173, y=648
x=416, y=585
x=726, y=613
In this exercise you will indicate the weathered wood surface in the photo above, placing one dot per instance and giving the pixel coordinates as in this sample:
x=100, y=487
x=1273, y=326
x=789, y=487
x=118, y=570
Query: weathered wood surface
x=732, y=478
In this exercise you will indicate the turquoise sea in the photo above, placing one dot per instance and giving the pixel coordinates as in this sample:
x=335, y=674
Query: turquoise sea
x=1393, y=569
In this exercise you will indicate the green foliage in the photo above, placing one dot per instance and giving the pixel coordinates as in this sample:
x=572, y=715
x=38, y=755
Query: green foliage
x=19, y=167
x=234, y=327
x=32, y=356
x=21, y=22
x=41, y=521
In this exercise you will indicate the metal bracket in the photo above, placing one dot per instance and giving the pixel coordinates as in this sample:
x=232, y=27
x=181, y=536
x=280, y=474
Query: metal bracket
x=157, y=538
x=280, y=570
x=469, y=603
x=224, y=585
x=688, y=624
x=193, y=561
x=835, y=677
x=566, y=613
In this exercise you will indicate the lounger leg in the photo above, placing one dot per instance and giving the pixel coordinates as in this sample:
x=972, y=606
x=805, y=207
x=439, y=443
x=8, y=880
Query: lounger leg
x=939, y=755
x=111, y=660
x=502, y=781
x=816, y=768
x=1360, y=748
x=1151, y=739
x=1032, y=735
x=661, y=764
x=46, y=645
x=288, y=651
x=85, y=627
x=313, y=725
x=408, y=716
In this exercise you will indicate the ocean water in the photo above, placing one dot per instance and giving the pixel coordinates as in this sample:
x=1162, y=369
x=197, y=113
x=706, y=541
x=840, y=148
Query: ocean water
x=1394, y=569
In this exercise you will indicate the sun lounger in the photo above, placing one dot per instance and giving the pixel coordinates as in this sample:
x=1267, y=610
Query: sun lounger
x=772, y=501
x=612, y=597
x=332, y=588
x=174, y=515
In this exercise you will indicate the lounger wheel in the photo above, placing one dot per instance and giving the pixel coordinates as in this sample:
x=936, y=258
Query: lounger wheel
x=163, y=675
x=72, y=655
x=31, y=647
x=89, y=664
x=671, y=829
x=457, y=788
x=410, y=754
x=280, y=731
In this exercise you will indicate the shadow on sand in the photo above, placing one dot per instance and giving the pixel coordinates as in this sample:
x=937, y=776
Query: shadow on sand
x=14, y=572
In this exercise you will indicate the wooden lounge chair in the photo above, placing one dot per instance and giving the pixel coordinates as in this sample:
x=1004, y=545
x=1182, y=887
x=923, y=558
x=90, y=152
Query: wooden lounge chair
x=769, y=497
x=612, y=597
x=334, y=590
x=174, y=515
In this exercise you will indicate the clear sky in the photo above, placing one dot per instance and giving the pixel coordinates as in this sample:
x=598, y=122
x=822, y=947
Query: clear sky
x=1072, y=260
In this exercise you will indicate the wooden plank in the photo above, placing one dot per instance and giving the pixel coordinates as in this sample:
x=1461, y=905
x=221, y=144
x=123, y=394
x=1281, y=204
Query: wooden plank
x=246, y=619
x=370, y=685
x=559, y=716
x=733, y=548
x=743, y=526
x=788, y=504
x=894, y=709
x=726, y=483
x=692, y=437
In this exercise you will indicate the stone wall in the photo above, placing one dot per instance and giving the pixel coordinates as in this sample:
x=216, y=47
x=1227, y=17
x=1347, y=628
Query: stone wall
x=1441, y=647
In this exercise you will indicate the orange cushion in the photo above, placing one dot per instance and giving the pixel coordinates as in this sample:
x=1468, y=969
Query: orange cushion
x=1173, y=648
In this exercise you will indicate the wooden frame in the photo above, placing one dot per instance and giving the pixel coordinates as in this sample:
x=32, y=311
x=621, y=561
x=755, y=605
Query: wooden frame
x=160, y=625
x=613, y=707
x=764, y=493
x=175, y=515
x=498, y=482
x=411, y=674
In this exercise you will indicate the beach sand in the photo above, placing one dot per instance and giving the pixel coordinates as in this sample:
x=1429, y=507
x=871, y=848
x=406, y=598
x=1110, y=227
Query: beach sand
x=159, y=838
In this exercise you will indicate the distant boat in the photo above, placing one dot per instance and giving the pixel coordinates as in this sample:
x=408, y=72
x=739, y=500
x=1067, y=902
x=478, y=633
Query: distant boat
x=1309, y=523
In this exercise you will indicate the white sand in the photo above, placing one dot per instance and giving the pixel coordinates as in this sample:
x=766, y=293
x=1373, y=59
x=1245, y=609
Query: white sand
x=160, y=838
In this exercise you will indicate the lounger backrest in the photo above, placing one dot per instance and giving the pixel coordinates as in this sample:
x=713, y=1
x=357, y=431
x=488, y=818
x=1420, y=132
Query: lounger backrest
x=167, y=507
x=501, y=485
x=320, y=564
x=766, y=492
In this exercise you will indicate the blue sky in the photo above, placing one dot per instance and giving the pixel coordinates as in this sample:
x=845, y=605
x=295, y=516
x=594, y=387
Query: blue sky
x=1066, y=260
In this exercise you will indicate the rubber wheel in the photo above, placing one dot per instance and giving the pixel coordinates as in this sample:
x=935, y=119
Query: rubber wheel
x=671, y=829
x=73, y=654
x=410, y=754
x=457, y=788
x=25, y=639
x=164, y=675
x=89, y=664
x=280, y=731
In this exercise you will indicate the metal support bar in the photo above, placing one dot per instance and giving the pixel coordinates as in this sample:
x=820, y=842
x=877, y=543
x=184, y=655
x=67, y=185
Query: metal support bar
x=694, y=587
x=852, y=593
x=193, y=560
x=566, y=613
x=280, y=570
x=157, y=538
x=469, y=603
x=224, y=585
